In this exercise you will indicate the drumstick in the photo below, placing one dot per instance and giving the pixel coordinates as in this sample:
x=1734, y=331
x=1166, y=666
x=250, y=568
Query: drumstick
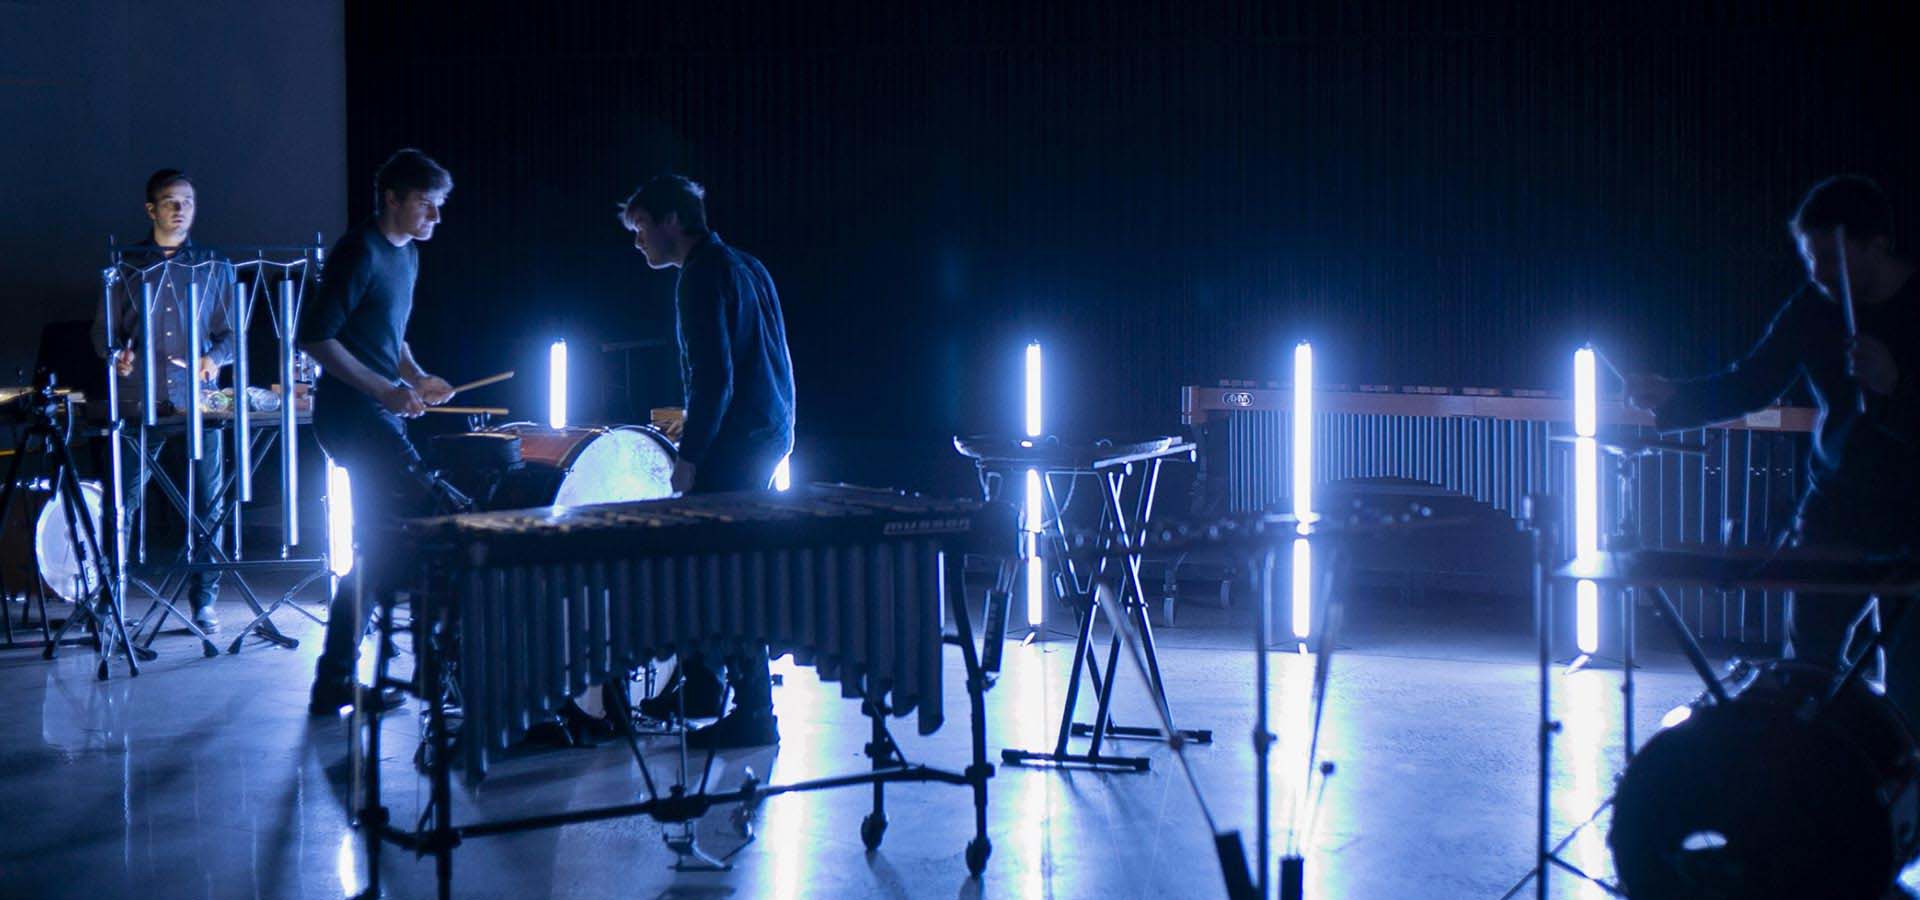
x=470, y=410
x=1846, y=304
x=490, y=379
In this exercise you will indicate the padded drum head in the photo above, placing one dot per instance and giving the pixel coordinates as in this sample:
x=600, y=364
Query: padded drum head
x=1749, y=800
x=619, y=466
x=53, y=547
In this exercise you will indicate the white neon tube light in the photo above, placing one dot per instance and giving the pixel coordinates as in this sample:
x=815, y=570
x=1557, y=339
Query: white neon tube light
x=339, y=520
x=1302, y=589
x=557, y=385
x=1586, y=497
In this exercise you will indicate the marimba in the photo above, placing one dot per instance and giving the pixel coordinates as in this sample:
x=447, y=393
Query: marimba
x=519, y=610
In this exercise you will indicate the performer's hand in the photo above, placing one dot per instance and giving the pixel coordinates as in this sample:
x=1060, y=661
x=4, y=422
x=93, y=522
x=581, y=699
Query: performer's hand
x=434, y=390
x=209, y=370
x=682, y=476
x=1871, y=364
x=123, y=363
x=403, y=402
x=1648, y=392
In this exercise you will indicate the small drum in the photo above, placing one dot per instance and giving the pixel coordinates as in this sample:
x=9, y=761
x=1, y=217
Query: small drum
x=1772, y=795
x=523, y=465
x=53, y=560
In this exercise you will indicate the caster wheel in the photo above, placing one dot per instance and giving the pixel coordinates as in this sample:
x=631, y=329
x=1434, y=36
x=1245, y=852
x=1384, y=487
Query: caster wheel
x=978, y=850
x=872, y=829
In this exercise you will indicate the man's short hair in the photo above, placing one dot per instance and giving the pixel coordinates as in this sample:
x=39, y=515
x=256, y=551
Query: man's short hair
x=670, y=195
x=163, y=179
x=1850, y=201
x=409, y=170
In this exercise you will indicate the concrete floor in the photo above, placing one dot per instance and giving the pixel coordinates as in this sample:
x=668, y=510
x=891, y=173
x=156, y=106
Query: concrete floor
x=206, y=778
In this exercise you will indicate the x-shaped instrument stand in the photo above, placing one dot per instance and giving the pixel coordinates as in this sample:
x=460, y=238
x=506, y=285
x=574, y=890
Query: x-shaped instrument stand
x=205, y=531
x=1125, y=513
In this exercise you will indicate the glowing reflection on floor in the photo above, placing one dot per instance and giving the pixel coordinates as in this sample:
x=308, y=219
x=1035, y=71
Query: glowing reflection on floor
x=1588, y=758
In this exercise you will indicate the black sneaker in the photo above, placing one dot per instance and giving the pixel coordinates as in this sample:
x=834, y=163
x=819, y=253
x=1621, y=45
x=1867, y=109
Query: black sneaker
x=206, y=619
x=703, y=701
x=328, y=697
x=737, y=729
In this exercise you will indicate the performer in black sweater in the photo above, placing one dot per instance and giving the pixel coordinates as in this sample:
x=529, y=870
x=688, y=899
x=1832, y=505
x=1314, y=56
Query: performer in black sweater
x=739, y=410
x=1863, y=488
x=355, y=326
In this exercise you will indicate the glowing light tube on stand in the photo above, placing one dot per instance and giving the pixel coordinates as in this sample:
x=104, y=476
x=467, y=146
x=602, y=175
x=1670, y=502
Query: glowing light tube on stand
x=1586, y=497
x=557, y=385
x=1302, y=592
x=339, y=521
x=1035, y=502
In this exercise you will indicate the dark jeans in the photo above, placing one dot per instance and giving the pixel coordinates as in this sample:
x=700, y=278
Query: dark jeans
x=388, y=484
x=745, y=469
x=203, y=587
x=1820, y=624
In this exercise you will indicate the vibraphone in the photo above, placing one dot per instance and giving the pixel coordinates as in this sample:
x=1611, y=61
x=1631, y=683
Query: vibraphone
x=1494, y=447
x=519, y=610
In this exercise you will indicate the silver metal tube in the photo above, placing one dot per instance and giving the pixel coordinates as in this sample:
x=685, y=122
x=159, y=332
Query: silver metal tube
x=151, y=398
x=196, y=411
x=242, y=314
x=289, y=424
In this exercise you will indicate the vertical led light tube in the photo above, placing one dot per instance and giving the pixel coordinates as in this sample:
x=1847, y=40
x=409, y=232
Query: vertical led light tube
x=1035, y=505
x=1302, y=592
x=557, y=385
x=1033, y=390
x=1586, y=497
x=339, y=520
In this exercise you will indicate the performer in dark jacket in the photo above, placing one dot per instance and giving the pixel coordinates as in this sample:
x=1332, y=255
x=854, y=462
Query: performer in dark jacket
x=739, y=409
x=1863, y=487
x=167, y=262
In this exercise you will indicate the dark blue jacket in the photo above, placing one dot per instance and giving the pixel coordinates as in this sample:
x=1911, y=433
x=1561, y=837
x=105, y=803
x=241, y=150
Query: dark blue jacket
x=733, y=356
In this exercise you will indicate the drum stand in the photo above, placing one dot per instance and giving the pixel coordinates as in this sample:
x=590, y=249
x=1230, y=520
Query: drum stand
x=102, y=613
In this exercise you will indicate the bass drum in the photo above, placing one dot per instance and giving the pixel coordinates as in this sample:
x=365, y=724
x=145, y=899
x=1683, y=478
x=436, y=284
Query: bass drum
x=51, y=560
x=1772, y=795
x=577, y=466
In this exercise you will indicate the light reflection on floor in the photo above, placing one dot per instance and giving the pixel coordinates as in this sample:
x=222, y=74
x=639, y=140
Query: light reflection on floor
x=213, y=782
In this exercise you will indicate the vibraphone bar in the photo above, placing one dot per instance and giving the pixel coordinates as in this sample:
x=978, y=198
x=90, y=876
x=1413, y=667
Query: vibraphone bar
x=516, y=611
x=1495, y=447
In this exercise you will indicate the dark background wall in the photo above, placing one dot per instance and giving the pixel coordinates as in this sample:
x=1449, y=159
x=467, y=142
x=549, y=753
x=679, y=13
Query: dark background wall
x=1451, y=194
x=247, y=96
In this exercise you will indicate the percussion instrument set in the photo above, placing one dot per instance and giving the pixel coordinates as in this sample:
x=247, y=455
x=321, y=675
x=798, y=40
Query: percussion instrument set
x=515, y=611
x=1801, y=782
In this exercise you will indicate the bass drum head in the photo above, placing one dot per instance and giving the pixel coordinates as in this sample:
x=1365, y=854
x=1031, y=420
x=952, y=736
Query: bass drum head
x=582, y=466
x=1747, y=799
x=53, y=549
x=618, y=466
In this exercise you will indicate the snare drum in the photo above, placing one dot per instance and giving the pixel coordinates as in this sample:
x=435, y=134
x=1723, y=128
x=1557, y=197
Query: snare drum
x=573, y=466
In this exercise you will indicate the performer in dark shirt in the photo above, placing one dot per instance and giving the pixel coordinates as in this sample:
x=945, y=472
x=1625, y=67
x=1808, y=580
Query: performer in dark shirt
x=739, y=409
x=1864, y=489
x=168, y=262
x=355, y=326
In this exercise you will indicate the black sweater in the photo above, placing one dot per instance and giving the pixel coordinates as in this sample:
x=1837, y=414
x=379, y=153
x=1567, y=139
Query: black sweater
x=364, y=298
x=1863, y=457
